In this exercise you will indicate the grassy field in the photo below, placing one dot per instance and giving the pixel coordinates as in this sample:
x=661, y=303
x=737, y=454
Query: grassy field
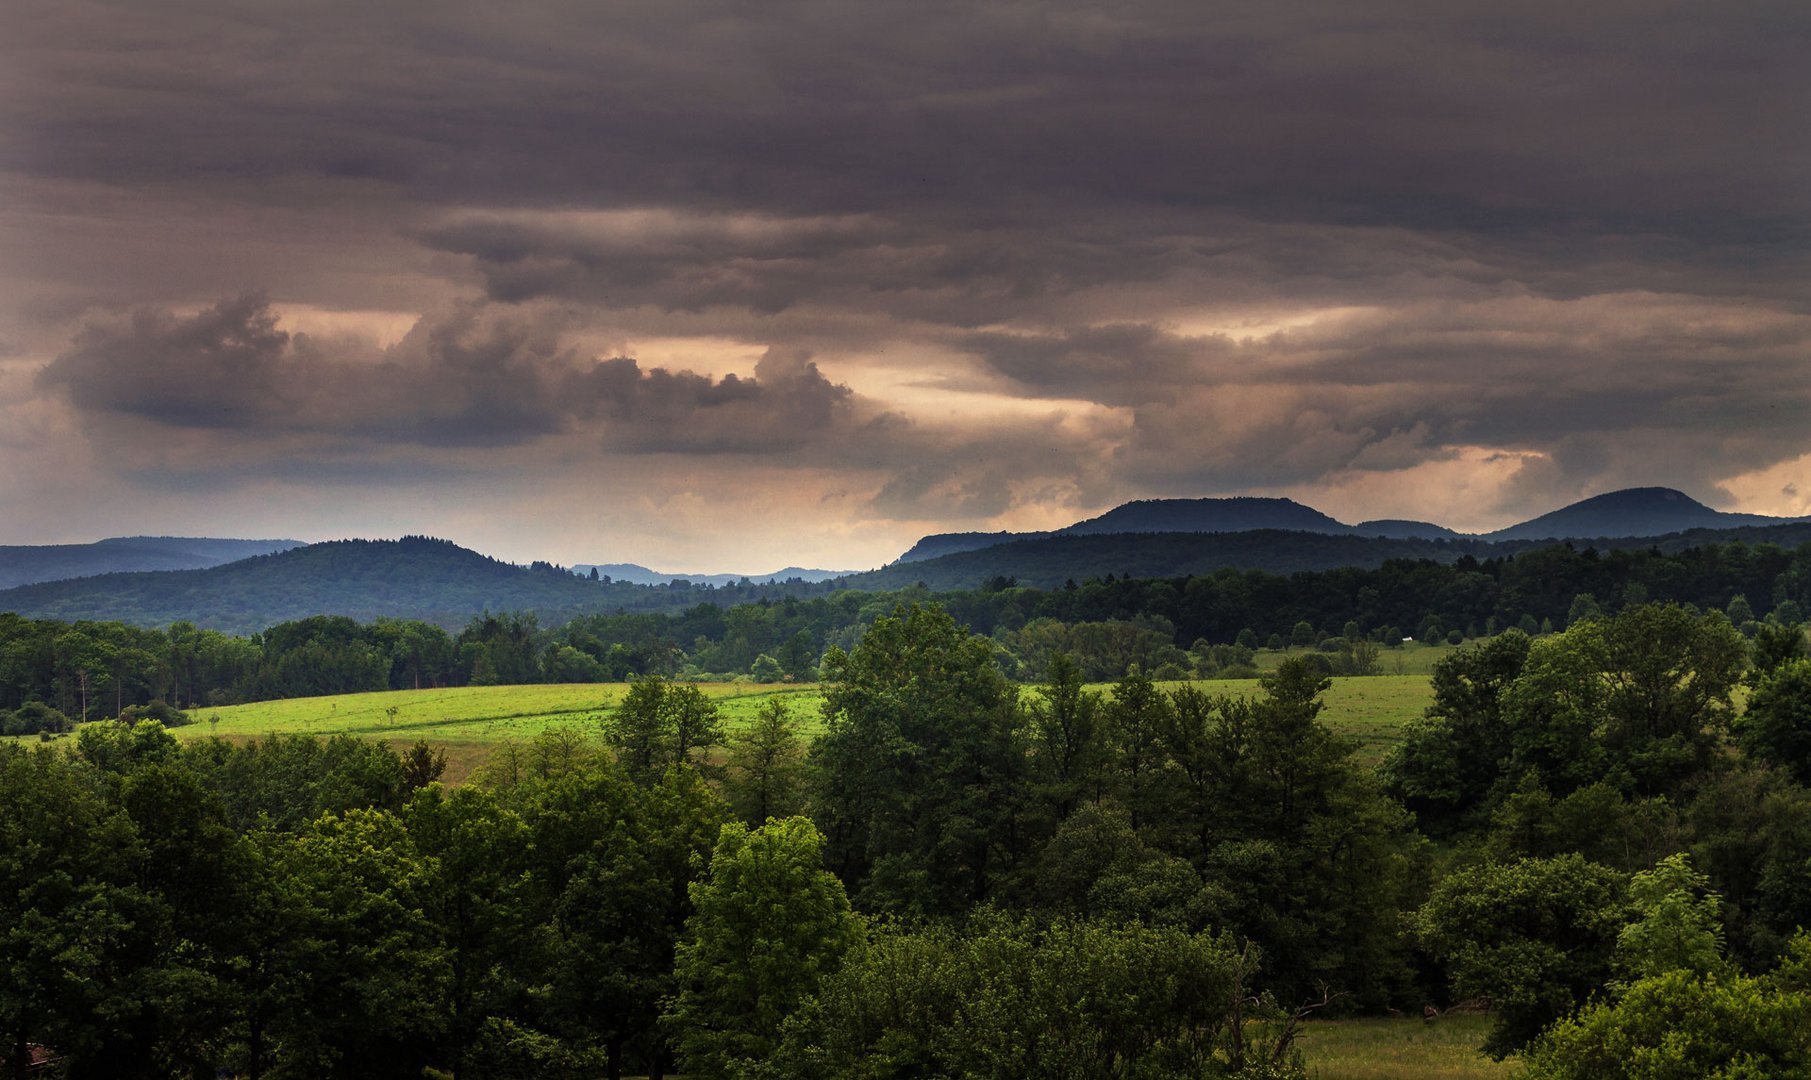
x=1371, y=710
x=472, y=713
x=466, y=721
x=1411, y=659
x=1399, y=1049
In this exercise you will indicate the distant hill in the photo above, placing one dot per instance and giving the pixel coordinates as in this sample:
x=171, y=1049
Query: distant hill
x=1393, y=529
x=415, y=577
x=29, y=563
x=1652, y=511
x=940, y=544
x=440, y=582
x=1633, y=512
x=1230, y=515
x=1049, y=561
x=1208, y=516
x=1151, y=516
x=636, y=574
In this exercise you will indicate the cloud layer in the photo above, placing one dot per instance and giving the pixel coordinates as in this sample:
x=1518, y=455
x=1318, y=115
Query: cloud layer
x=470, y=378
x=899, y=266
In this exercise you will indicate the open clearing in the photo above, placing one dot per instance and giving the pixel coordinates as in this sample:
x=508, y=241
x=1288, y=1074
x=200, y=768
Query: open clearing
x=473, y=713
x=1414, y=658
x=1399, y=1049
x=467, y=720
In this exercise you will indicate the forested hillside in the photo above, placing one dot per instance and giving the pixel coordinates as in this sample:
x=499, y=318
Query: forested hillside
x=1632, y=513
x=412, y=578
x=434, y=581
x=1051, y=561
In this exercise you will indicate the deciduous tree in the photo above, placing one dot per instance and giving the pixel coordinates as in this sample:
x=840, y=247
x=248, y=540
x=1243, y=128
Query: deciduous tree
x=767, y=925
x=919, y=776
x=1535, y=936
x=766, y=774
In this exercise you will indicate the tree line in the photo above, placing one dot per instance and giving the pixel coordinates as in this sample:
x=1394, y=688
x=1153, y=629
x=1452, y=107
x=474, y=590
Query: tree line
x=53, y=673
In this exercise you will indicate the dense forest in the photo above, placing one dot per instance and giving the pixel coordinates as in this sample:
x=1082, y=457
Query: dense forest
x=52, y=671
x=955, y=879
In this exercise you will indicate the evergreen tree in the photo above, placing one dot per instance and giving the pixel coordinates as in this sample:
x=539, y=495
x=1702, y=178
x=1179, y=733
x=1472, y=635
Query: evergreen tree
x=1066, y=738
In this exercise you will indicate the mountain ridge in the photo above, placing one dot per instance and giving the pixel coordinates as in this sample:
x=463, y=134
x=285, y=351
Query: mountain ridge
x=29, y=564
x=441, y=582
x=1402, y=529
x=1627, y=512
x=416, y=577
x=1240, y=513
x=1053, y=561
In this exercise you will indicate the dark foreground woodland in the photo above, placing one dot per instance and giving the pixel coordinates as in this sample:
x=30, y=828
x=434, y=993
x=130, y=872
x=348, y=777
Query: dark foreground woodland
x=1606, y=832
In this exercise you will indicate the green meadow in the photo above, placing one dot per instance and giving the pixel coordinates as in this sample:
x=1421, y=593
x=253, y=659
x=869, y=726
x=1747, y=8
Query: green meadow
x=1370, y=709
x=467, y=720
x=469, y=713
x=1413, y=658
x=1399, y=1048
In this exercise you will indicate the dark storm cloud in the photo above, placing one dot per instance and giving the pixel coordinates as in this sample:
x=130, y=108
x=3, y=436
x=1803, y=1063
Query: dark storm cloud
x=213, y=399
x=472, y=378
x=1629, y=390
x=897, y=269
x=1278, y=241
x=787, y=405
x=1122, y=363
x=1432, y=115
x=674, y=262
x=231, y=369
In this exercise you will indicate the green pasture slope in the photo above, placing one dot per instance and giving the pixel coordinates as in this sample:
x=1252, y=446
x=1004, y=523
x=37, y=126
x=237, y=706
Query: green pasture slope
x=468, y=720
x=470, y=713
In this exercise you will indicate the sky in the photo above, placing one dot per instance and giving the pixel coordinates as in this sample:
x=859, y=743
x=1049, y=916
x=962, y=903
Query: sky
x=716, y=286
